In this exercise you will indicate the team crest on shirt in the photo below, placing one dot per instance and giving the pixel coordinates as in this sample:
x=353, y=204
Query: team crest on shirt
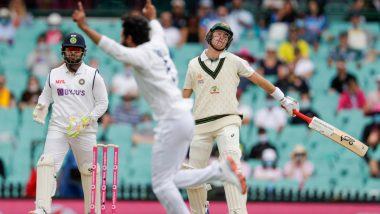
x=214, y=90
x=81, y=82
x=200, y=79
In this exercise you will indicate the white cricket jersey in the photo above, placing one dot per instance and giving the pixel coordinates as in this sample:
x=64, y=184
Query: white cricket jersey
x=74, y=95
x=215, y=85
x=154, y=71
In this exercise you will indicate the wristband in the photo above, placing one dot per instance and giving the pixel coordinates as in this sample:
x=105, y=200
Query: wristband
x=277, y=94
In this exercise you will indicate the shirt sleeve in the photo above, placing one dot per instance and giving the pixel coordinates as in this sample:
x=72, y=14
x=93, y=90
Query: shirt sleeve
x=157, y=33
x=133, y=56
x=46, y=96
x=100, y=96
x=244, y=69
x=189, y=78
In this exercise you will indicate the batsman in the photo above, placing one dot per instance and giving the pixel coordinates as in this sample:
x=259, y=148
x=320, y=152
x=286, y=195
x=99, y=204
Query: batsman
x=214, y=77
x=79, y=97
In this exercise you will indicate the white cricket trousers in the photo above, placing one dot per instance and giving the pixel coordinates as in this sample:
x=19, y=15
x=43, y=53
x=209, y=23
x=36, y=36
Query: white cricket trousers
x=58, y=143
x=172, y=142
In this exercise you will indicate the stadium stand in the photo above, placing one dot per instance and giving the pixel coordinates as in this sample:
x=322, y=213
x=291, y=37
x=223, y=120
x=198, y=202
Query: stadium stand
x=339, y=175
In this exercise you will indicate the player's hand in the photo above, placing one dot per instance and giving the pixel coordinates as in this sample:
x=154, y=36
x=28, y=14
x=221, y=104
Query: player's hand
x=79, y=15
x=149, y=10
x=39, y=113
x=76, y=125
x=289, y=104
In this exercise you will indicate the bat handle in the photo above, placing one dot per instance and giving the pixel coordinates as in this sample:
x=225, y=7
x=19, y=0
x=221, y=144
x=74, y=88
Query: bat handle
x=302, y=116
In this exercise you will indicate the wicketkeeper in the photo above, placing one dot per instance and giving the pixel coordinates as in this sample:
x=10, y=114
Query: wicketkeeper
x=79, y=97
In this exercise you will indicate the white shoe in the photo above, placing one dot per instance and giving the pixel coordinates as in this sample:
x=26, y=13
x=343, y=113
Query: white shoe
x=207, y=208
x=231, y=175
x=37, y=211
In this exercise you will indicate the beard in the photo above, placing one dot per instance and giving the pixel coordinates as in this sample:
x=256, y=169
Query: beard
x=73, y=60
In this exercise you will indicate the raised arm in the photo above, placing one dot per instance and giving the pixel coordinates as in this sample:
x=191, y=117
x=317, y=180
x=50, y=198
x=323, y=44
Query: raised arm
x=79, y=16
x=149, y=11
x=156, y=31
x=131, y=56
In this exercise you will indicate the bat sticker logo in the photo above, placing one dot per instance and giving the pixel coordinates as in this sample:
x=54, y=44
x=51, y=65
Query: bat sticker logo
x=348, y=139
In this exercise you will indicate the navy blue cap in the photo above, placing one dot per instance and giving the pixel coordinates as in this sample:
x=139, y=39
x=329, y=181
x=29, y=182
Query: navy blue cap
x=74, y=40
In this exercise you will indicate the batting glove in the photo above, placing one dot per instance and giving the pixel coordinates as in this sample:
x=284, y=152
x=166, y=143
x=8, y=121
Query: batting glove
x=39, y=113
x=77, y=125
x=289, y=104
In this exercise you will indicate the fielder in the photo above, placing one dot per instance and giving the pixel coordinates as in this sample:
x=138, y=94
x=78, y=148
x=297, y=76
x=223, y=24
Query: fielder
x=156, y=76
x=214, y=77
x=79, y=97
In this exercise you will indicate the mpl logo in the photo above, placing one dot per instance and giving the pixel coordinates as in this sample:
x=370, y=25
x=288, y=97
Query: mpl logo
x=65, y=92
x=60, y=81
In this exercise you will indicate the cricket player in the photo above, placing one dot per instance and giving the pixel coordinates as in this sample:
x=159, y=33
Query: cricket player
x=214, y=77
x=143, y=47
x=79, y=97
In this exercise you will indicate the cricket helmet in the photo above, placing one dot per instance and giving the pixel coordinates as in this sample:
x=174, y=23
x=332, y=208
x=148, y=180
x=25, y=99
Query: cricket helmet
x=223, y=27
x=73, y=40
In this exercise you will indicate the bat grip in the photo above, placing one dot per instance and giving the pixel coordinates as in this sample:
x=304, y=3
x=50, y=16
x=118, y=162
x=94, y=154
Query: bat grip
x=302, y=116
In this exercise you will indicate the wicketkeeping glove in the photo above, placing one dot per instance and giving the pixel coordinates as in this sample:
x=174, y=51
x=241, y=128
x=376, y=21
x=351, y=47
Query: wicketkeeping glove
x=39, y=113
x=76, y=125
x=289, y=104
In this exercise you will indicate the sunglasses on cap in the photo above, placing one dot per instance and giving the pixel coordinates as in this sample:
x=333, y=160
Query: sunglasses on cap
x=75, y=49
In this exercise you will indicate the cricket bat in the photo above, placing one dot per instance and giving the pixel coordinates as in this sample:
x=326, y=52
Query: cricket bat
x=334, y=134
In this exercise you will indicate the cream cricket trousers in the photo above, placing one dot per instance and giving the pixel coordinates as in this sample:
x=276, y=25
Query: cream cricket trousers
x=228, y=143
x=172, y=142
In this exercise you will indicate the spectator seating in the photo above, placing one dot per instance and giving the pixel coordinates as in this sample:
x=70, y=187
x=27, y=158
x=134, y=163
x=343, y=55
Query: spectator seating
x=340, y=175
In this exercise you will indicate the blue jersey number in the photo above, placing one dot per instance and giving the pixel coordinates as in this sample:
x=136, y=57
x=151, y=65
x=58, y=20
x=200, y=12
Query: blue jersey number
x=170, y=70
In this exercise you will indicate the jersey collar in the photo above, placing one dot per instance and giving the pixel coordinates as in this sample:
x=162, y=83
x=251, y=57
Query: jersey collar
x=79, y=71
x=204, y=56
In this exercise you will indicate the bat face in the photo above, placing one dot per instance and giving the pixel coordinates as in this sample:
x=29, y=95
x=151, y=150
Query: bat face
x=349, y=142
x=339, y=136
